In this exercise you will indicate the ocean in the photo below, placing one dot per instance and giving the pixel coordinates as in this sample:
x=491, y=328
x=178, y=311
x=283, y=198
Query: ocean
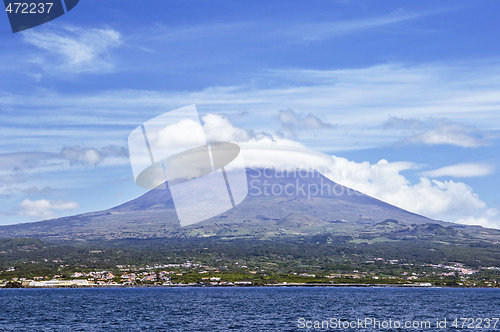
x=250, y=309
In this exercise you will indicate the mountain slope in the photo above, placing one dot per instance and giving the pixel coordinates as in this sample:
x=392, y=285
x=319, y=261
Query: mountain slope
x=311, y=204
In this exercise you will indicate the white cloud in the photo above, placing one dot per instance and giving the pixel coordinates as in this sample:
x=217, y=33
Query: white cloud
x=357, y=100
x=453, y=134
x=44, y=209
x=76, y=50
x=490, y=218
x=72, y=155
x=79, y=155
x=324, y=30
x=439, y=131
x=445, y=200
x=218, y=128
x=22, y=160
x=291, y=122
x=463, y=170
x=17, y=170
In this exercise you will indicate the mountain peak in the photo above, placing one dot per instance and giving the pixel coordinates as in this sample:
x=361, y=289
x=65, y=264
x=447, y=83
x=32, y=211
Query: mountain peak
x=278, y=202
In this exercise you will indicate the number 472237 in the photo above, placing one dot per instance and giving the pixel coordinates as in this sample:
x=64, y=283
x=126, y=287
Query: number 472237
x=478, y=323
x=29, y=8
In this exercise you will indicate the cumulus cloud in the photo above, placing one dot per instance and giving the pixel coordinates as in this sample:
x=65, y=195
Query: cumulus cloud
x=218, y=128
x=183, y=134
x=78, y=155
x=75, y=50
x=291, y=122
x=44, y=209
x=445, y=200
x=439, y=131
x=463, y=170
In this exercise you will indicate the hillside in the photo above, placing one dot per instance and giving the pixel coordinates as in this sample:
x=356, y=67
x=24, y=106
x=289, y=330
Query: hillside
x=267, y=212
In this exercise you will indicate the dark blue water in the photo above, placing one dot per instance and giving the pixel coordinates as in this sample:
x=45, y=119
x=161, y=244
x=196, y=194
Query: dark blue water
x=246, y=309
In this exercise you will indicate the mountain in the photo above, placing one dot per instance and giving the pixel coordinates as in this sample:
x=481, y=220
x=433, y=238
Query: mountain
x=311, y=205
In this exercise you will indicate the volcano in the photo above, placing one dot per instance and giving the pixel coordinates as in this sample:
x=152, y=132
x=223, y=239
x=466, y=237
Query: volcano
x=293, y=203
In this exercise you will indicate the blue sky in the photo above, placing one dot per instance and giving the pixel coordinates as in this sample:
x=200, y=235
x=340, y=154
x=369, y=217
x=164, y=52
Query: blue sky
x=403, y=96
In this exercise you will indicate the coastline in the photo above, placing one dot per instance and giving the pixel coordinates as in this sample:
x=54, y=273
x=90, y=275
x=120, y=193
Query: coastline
x=254, y=286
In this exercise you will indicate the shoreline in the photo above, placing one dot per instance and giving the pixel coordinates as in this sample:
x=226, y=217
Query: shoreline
x=252, y=286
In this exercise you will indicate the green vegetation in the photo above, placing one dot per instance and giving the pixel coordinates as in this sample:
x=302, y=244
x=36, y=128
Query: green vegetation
x=321, y=259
